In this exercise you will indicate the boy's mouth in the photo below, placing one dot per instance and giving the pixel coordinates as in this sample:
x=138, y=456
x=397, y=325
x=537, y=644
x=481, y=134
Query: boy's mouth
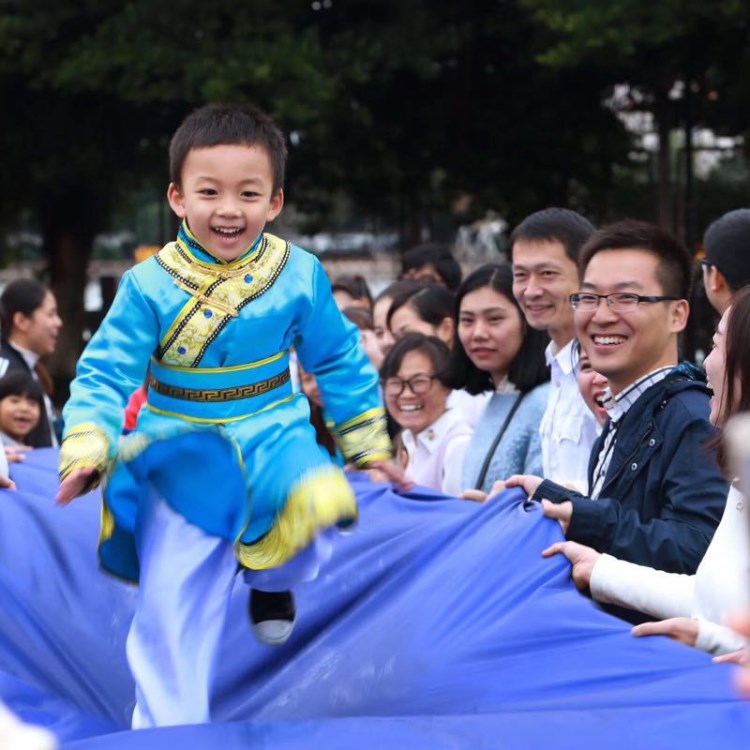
x=228, y=232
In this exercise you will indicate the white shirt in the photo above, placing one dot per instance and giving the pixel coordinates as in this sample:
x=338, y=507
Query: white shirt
x=568, y=429
x=436, y=454
x=719, y=586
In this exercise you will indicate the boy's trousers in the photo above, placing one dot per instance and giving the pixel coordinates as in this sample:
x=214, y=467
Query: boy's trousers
x=185, y=587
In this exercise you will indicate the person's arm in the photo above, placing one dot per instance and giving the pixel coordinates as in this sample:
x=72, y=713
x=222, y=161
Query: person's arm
x=693, y=493
x=718, y=639
x=329, y=347
x=112, y=366
x=641, y=588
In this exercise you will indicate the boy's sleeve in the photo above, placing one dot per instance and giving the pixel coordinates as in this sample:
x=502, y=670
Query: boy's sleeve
x=112, y=366
x=329, y=347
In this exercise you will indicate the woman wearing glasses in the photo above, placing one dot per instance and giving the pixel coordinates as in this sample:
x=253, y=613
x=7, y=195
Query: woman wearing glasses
x=434, y=437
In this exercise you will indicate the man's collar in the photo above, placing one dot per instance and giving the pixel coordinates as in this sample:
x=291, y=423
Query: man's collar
x=617, y=406
x=563, y=357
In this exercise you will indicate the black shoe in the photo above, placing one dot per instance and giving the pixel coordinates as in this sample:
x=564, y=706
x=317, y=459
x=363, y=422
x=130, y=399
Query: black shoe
x=272, y=614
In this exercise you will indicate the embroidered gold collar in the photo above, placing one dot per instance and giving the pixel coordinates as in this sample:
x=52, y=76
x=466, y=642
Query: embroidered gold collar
x=217, y=294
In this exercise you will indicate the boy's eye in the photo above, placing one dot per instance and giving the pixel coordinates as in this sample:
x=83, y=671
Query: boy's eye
x=250, y=194
x=207, y=191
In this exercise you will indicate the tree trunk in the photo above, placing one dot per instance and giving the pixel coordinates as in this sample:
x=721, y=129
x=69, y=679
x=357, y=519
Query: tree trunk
x=67, y=237
x=662, y=111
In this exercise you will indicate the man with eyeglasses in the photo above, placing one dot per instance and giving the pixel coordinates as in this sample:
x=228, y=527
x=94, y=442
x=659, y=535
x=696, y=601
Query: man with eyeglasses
x=656, y=492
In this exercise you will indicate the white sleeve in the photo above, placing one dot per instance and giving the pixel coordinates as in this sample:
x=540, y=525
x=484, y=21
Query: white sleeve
x=641, y=588
x=718, y=639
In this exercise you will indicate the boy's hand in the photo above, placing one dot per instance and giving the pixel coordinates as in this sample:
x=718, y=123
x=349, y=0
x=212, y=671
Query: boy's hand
x=75, y=484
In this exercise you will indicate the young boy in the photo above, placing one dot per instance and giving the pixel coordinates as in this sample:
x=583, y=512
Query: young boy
x=223, y=467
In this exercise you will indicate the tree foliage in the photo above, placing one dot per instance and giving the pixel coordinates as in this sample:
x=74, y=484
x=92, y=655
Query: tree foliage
x=400, y=106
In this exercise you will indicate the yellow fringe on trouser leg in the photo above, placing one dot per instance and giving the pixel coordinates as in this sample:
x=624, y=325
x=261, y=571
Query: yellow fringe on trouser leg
x=317, y=501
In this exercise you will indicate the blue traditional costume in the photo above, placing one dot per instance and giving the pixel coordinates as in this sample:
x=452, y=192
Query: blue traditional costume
x=222, y=440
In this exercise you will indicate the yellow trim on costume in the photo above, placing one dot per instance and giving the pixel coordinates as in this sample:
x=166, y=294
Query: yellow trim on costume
x=218, y=420
x=106, y=525
x=217, y=370
x=377, y=411
x=217, y=294
x=364, y=439
x=317, y=501
x=224, y=265
x=85, y=447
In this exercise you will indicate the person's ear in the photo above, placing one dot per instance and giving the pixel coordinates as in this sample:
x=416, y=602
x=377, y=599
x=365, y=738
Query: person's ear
x=21, y=322
x=277, y=203
x=715, y=280
x=446, y=331
x=176, y=199
x=679, y=315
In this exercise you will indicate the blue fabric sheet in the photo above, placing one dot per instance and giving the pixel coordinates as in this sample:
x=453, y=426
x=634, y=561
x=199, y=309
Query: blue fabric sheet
x=436, y=624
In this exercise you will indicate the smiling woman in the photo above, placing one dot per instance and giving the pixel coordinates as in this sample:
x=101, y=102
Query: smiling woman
x=497, y=350
x=434, y=437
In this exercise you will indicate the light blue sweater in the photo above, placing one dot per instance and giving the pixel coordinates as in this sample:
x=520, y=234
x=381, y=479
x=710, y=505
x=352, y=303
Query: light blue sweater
x=519, y=451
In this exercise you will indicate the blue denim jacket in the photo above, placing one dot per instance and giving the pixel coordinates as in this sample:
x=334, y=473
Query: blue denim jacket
x=664, y=494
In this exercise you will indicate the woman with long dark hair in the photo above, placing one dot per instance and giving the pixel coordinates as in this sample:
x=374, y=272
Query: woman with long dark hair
x=496, y=350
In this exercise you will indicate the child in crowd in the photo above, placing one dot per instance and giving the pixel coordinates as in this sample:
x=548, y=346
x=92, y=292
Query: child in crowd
x=498, y=350
x=434, y=437
x=593, y=386
x=21, y=408
x=223, y=468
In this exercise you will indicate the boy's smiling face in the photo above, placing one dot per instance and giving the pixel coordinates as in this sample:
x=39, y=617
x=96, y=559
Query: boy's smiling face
x=227, y=197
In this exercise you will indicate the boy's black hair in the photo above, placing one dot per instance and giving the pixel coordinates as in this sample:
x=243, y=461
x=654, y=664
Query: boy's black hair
x=228, y=125
x=437, y=254
x=562, y=224
x=432, y=347
x=727, y=246
x=528, y=369
x=20, y=296
x=432, y=302
x=19, y=383
x=675, y=270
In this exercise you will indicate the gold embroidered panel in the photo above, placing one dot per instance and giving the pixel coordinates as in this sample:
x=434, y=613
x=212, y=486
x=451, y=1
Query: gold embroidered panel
x=217, y=294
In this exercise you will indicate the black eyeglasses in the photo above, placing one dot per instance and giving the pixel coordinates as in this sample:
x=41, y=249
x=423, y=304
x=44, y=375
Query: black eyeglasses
x=617, y=301
x=418, y=385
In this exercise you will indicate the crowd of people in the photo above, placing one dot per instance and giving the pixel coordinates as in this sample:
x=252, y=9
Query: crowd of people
x=572, y=352
x=558, y=373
